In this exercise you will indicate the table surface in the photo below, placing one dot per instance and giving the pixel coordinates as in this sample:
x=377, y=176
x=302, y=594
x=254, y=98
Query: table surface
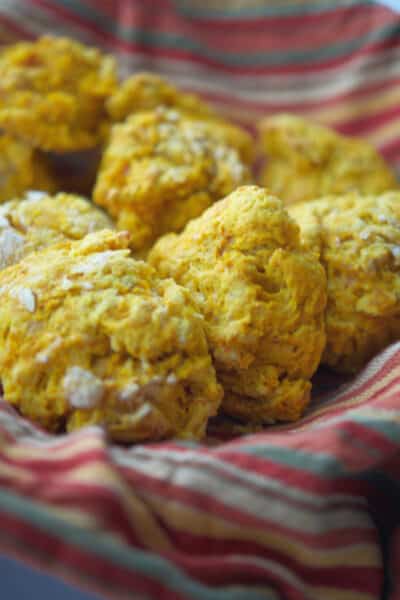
x=19, y=582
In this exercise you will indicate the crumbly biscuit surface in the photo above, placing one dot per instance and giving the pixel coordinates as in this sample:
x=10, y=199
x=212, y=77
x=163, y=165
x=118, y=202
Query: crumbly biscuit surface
x=39, y=220
x=88, y=335
x=262, y=297
x=163, y=168
x=306, y=161
x=357, y=239
x=147, y=91
x=53, y=93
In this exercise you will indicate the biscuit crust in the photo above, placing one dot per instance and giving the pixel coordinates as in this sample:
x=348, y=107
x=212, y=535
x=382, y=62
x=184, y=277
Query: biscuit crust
x=357, y=239
x=53, y=93
x=39, y=220
x=163, y=168
x=306, y=161
x=88, y=335
x=263, y=299
x=147, y=91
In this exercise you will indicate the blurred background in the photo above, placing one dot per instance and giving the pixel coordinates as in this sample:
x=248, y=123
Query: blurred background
x=335, y=61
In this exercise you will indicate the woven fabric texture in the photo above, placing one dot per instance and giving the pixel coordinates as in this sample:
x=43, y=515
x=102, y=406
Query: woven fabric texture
x=303, y=512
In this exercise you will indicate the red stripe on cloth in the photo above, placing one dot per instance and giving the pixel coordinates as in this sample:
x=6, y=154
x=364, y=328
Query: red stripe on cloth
x=343, y=62
x=108, y=511
x=363, y=125
x=340, y=537
x=213, y=569
x=219, y=468
x=15, y=28
x=391, y=150
x=360, y=579
x=300, y=477
x=336, y=406
x=238, y=571
x=328, y=541
x=364, y=91
x=234, y=453
x=265, y=466
x=360, y=18
x=352, y=445
x=55, y=484
x=60, y=555
x=337, y=16
x=86, y=499
x=264, y=34
x=340, y=443
x=216, y=570
x=206, y=501
x=53, y=466
x=110, y=40
x=103, y=511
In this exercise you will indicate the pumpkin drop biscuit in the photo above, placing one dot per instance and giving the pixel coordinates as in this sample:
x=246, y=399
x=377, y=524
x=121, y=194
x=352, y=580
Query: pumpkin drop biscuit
x=88, y=335
x=53, y=93
x=306, y=161
x=262, y=297
x=357, y=239
x=39, y=220
x=163, y=168
x=147, y=91
x=144, y=92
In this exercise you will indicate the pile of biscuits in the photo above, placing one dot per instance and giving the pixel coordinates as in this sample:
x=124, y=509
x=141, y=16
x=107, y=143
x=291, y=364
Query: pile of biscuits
x=181, y=287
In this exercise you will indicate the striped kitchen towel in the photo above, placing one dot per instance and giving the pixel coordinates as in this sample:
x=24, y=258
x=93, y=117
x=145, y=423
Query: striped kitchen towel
x=307, y=511
x=335, y=61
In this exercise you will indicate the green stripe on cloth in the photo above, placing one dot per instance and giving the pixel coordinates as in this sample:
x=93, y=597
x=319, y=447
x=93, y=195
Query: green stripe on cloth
x=389, y=429
x=266, y=9
x=97, y=544
x=324, y=465
x=164, y=41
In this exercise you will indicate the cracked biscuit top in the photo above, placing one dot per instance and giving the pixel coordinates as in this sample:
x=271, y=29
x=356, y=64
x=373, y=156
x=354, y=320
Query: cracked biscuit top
x=53, y=93
x=306, y=161
x=357, y=239
x=146, y=91
x=262, y=296
x=39, y=220
x=163, y=168
x=88, y=335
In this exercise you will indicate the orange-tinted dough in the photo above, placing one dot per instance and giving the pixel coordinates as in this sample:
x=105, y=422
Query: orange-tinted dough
x=306, y=161
x=263, y=299
x=357, y=239
x=88, y=335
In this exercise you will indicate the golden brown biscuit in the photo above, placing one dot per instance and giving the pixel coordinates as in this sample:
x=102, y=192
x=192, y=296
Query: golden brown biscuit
x=306, y=161
x=146, y=91
x=53, y=93
x=262, y=297
x=39, y=220
x=163, y=168
x=21, y=169
x=89, y=335
x=357, y=239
